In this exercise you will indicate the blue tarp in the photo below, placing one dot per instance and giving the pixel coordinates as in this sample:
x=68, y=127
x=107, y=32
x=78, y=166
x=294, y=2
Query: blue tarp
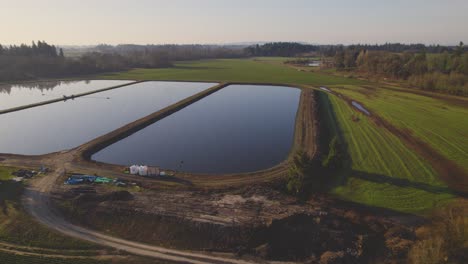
x=74, y=181
x=77, y=179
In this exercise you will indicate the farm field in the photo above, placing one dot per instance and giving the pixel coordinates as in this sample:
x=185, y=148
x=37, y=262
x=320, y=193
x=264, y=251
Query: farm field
x=234, y=70
x=440, y=123
x=380, y=170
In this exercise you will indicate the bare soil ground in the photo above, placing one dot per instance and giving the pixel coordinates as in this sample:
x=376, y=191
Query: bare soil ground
x=258, y=221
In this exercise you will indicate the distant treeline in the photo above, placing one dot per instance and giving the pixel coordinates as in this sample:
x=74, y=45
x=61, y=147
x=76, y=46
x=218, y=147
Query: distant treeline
x=445, y=71
x=280, y=49
x=292, y=49
x=175, y=52
x=41, y=60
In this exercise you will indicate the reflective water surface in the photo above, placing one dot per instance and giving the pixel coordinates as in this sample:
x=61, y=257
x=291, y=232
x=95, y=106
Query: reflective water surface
x=240, y=128
x=14, y=95
x=65, y=125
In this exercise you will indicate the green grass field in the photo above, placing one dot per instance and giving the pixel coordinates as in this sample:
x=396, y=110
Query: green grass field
x=441, y=124
x=234, y=70
x=381, y=171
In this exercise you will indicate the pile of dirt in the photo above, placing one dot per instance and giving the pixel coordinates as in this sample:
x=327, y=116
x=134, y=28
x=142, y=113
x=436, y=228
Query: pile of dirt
x=256, y=221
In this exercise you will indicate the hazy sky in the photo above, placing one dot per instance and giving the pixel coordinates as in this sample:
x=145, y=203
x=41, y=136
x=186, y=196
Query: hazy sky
x=225, y=21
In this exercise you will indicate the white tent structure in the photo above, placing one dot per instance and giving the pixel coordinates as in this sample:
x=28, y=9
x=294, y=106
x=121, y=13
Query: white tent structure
x=134, y=169
x=143, y=170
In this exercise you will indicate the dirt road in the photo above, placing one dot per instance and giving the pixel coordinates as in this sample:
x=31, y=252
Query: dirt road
x=36, y=202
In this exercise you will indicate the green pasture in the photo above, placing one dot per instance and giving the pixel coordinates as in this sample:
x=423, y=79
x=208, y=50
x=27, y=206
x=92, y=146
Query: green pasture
x=440, y=123
x=380, y=170
x=234, y=70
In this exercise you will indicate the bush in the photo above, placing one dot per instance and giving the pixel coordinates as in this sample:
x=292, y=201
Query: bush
x=308, y=176
x=453, y=83
x=445, y=240
x=300, y=173
x=334, y=158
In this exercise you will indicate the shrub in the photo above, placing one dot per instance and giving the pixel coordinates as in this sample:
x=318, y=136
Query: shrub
x=300, y=173
x=334, y=158
x=445, y=240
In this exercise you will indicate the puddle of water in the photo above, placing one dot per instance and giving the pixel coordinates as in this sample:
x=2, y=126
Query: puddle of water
x=360, y=108
x=314, y=64
x=325, y=89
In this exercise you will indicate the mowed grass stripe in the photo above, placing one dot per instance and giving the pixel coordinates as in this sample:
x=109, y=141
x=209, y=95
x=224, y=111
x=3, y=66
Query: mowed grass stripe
x=378, y=158
x=439, y=123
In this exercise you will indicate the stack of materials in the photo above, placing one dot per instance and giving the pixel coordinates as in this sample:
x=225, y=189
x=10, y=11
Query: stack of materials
x=144, y=170
x=153, y=171
x=82, y=179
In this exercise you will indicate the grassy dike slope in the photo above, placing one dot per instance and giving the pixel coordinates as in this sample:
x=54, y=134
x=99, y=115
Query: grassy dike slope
x=440, y=123
x=380, y=170
x=234, y=70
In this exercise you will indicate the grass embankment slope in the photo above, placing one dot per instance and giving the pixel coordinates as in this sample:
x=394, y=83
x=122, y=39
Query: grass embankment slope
x=380, y=170
x=440, y=123
x=233, y=70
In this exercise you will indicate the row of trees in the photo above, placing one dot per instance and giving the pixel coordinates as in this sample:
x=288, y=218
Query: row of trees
x=291, y=49
x=442, y=72
x=41, y=60
x=24, y=67
x=281, y=49
x=175, y=52
x=41, y=48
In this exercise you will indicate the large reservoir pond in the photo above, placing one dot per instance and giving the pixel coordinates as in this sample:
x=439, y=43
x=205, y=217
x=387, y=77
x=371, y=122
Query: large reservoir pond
x=65, y=125
x=240, y=128
x=14, y=95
